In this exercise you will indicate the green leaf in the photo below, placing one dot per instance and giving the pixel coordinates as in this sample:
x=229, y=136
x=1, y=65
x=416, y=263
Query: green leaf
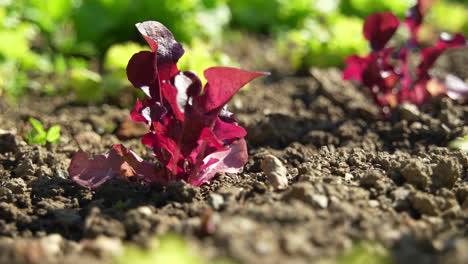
x=170, y=248
x=37, y=126
x=37, y=135
x=53, y=134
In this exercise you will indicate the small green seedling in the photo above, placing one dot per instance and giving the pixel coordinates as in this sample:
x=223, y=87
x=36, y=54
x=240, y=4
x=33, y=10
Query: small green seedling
x=38, y=135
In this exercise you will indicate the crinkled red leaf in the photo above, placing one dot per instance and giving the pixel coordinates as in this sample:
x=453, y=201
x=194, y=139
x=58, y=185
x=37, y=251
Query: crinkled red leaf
x=230, y=161
x=147, y=112
x=206, y=144
x=133, y=166
x=171, y=154
x=223, y=83
x=379, y=29
x=92, y=172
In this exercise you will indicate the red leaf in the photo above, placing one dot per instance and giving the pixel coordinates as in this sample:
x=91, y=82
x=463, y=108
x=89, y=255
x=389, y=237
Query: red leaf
x=379, y=29
x=224, y=130
x=136, y=115
x=95, y=171
x=223, y=83
x=92, y=172
x=133, y=166
x=355, y=67
x=230, y=161
x=170, y=94
x=141, y=69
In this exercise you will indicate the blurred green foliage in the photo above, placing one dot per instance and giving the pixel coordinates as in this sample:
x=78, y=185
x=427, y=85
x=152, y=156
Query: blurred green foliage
x=199, y=56
x=363, y=8
x=323, y=44
x=185, y=18
x=452, y=17
x=362, y=253
x=333, y=30
x=166, y=249
x=270, y=16
x=460, y=143
x=83, y=46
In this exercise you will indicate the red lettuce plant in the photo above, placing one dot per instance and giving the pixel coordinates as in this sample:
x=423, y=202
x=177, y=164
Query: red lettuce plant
x=192, y=134
x=386, y=70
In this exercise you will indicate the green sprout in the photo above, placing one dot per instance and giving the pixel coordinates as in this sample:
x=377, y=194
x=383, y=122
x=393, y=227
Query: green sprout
x=38, y=135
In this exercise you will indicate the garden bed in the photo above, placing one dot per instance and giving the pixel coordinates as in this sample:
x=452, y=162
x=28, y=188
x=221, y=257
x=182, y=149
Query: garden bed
x=353, y=177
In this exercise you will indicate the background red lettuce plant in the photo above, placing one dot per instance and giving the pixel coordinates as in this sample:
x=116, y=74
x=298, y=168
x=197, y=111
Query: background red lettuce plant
x=386, y=70
x=192, y=134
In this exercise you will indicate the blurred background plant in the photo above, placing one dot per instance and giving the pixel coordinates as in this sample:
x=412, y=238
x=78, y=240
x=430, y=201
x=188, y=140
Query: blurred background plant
x=81, y=47
x=362, y=253
x=460, y=143
x=169, y=248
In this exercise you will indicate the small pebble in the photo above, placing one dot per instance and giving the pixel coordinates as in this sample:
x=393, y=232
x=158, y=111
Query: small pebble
x=275, y=172
x=320, y=200
x=374, y=203
x=216, y=200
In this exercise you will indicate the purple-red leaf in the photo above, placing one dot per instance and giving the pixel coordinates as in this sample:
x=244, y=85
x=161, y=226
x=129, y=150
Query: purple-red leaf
x=92, y=172
x=141, y=69
x=95, y=171
x=161, y=41
x=379, y=29
x=170, y=94
x=456, y=87
x=147, y=112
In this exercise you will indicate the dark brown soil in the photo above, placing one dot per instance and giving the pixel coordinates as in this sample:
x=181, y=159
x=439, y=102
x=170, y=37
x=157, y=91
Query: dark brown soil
x=353, y=176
